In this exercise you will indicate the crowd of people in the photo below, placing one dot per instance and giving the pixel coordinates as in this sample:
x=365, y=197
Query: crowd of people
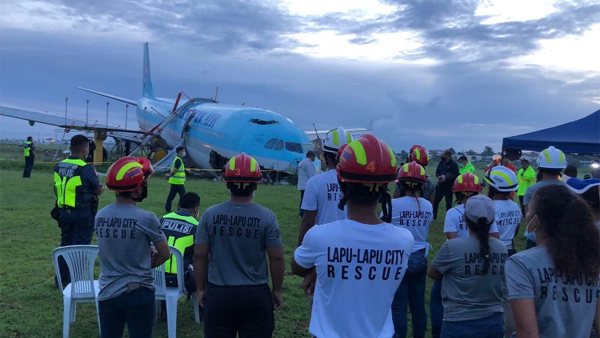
x=362, y=270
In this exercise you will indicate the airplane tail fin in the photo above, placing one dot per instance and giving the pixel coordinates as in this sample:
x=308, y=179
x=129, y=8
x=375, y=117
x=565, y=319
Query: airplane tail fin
x=147, y=90
x=370, y=125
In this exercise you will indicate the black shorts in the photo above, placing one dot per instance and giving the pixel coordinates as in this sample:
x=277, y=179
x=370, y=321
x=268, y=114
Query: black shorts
x=247, y=310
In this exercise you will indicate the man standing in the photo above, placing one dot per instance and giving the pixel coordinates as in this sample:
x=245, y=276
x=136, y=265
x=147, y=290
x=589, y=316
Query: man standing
x=526, y=178
x=306, y=170
x=506, y=163
x=551, y=162
x=354, y=290
x=29, y=154
x=467, y=166
x=125, y=233
x=322, y=194
x=75, y=186
x=180, y=228
x=237, y=234
x=446, y=172
x=176, y=178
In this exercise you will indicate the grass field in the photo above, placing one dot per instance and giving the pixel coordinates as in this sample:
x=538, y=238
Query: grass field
x=31, y=305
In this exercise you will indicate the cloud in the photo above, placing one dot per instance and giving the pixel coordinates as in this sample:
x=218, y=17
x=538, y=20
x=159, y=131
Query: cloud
x=254, y=52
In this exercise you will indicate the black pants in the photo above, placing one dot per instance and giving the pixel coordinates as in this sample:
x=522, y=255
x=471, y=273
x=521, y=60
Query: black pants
x=301, y=198
x=135, y=308
x=440, y=193
x=522, y=206
x=175, y=189
x=247, y=310
x=76, y=228
x=28, y=166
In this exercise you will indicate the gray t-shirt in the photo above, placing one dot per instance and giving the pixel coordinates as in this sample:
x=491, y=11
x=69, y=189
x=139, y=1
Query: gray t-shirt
x=535, y=187
x=427, y=189
x=466, y=295
x=564, y=306
x=124, y=234
x=239, y=235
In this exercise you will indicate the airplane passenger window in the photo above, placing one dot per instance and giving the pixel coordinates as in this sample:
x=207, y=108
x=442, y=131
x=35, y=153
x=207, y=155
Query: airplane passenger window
x=293, y=146
x=279, y=145
x=271, y=143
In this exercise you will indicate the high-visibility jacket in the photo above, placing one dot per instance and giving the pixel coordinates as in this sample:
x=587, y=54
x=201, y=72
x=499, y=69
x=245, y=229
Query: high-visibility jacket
x=468, y=168
x=179, y=176
x=27, y=149
x=526, y=179
x=179, y=230
x=68, y=186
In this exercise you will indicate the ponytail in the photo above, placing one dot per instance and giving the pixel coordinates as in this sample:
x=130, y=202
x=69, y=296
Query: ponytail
x=414, y=187
x=481, y=229
x=572, y=238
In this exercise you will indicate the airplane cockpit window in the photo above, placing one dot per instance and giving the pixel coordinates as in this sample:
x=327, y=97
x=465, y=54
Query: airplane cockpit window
x=279, y=145
x=293, y=146
x=271, y=143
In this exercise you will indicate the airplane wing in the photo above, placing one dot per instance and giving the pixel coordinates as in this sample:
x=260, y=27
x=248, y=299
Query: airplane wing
x=55, y=119
x=353, y=131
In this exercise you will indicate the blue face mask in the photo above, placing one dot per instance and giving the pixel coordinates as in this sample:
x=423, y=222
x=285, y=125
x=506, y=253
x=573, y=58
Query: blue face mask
x=531, y=235
x=184, y=153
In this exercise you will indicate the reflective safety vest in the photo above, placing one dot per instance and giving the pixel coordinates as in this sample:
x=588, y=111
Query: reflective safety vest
x=67, y=183
x=179, y=231
x=179, y=177
x=468, y=168
x=526, y=179
x=26, y=149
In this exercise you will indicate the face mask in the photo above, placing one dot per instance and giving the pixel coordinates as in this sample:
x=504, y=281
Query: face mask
x=184, y=153
x=531, y=235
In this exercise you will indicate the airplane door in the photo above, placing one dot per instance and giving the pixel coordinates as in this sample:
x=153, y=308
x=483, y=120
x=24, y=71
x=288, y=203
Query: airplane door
x=186, y=126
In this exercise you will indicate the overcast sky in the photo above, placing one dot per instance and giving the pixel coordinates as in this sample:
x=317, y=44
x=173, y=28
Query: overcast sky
x=442, y=73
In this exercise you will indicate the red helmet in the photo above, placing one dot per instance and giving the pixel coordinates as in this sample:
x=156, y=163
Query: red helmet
x=367, y=160
x=418, y=154
x=466, y=182
x=412, y=172
x=128, y=173
x=242, y=169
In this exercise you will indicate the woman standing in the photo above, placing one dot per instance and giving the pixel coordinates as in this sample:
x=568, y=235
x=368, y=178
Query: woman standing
x=554, y=287
x=412, y=212
x=473, y=276
x=502, y=182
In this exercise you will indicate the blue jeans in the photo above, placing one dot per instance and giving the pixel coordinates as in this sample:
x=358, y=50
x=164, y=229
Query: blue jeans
x=135, y=308
x=411, y=292
x=436, y=309
x=489, y=327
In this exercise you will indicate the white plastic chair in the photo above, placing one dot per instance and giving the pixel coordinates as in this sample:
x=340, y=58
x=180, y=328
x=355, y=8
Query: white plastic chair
x=172, y=294
x=83, y=288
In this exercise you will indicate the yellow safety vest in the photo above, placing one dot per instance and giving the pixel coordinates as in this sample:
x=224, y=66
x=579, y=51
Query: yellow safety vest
x=180, y=242
x=468, y=168
x=179, y=177
x=26, y=149
x=67, y=183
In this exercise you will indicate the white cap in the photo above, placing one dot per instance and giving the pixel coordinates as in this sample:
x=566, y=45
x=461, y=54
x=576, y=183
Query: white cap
x=480, y=206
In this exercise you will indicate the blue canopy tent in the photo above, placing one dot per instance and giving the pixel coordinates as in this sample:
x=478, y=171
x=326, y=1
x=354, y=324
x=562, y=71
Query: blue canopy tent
x=577, y=137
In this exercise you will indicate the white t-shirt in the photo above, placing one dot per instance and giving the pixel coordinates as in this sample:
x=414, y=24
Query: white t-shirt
x=359, y=268
x=414, y=217
x=323, y=194
x=455, y=222
x=508, y=217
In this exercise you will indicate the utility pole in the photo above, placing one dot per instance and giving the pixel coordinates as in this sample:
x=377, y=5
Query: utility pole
x=66, y=99
x=126, y=108
x=87, y=103
x=107, y=103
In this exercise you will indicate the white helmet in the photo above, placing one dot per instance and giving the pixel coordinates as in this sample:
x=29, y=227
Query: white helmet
x=502, y=178
x=552, y=158
x=335, y=139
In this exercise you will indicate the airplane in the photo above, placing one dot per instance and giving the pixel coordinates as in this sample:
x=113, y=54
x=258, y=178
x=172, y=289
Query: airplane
x=212, y=132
